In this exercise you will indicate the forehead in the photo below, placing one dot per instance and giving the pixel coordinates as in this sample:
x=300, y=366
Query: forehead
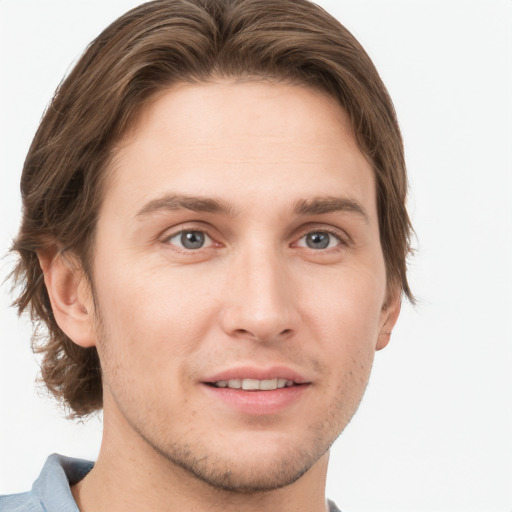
x=242, y=108
x=241, y=139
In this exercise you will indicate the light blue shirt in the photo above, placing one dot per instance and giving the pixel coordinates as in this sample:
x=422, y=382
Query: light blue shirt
x=51, y=492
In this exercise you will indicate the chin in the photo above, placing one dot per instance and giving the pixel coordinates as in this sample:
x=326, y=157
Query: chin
x=249, y=476
x=258, y=465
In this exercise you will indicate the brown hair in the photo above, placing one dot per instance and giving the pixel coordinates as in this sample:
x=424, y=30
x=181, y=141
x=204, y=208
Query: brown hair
x=151, y=47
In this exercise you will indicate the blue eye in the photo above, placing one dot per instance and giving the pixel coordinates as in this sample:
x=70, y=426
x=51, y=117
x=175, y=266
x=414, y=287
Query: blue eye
x=319, y=240
x=191, y=240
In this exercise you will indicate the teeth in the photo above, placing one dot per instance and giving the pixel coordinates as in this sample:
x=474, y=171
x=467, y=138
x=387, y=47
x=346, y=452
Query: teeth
x=254, y=384
x=251, y=384
x=268, y=384
x=234, y=383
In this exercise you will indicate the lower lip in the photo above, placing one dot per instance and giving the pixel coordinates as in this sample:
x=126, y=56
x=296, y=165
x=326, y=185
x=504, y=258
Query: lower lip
x=258, y=402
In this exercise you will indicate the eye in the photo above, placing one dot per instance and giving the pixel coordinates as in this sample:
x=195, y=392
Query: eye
x=319, y=240
x=190, y=240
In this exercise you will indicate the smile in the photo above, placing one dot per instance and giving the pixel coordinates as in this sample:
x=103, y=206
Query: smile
x=254, y=384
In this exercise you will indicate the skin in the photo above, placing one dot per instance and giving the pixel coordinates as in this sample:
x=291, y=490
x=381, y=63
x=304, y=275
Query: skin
x=261, y=292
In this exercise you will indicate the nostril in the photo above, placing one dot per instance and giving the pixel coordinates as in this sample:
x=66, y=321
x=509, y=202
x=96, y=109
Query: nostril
x=261, y=336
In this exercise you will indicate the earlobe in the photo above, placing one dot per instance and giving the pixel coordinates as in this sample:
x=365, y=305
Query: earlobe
x=390, y=314
x=70, y=296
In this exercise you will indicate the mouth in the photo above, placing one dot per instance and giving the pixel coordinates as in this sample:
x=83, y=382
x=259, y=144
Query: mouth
x=257, y=391
x=254, y=384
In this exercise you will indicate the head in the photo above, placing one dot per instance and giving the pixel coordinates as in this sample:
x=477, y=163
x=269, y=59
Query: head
x=155, y=59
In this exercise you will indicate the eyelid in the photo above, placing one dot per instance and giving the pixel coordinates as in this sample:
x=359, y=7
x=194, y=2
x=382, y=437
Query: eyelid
x=208, y=239
x=337, y=242
x=341, y=235
x=170, y=233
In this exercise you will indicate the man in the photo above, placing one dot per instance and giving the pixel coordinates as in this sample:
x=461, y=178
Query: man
x=215, y=237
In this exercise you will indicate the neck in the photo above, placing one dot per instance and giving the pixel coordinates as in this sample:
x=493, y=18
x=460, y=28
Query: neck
x=131, y=475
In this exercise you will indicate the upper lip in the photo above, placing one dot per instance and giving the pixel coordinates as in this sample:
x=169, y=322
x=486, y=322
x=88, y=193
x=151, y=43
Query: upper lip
x=251, y=372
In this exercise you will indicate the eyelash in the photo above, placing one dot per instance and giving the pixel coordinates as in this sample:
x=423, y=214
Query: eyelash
x=178, y=234
x=189, y=231
x=341, y=244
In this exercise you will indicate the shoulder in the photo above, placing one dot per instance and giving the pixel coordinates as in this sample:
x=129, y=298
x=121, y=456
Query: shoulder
x=25, y=502
x=51, y=491
x=332, y=506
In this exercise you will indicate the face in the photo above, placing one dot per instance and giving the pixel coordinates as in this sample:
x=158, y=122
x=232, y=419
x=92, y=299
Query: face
x=239, y=281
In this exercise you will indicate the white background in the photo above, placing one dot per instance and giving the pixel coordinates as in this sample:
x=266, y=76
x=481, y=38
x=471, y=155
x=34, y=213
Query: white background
x=434, y=431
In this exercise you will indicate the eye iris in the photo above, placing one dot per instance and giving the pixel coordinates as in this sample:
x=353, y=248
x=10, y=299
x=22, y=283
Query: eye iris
x=192, y=239
x=318, y=240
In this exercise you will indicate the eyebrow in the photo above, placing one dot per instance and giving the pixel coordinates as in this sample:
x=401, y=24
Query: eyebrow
x=180, y=202
x=320, y=205
x=315, y=206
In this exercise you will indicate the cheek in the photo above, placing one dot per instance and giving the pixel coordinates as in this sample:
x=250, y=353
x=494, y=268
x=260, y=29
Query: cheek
x=151, y=317
x=344, y=312
x=349, y=299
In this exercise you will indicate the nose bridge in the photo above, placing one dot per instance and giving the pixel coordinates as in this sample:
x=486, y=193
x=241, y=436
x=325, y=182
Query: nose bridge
x=260, y=299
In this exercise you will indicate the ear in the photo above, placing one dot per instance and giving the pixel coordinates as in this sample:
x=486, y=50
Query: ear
x=70, y=296
x=389, y=316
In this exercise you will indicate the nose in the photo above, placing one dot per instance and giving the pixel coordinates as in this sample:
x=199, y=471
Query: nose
x=260, y=299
